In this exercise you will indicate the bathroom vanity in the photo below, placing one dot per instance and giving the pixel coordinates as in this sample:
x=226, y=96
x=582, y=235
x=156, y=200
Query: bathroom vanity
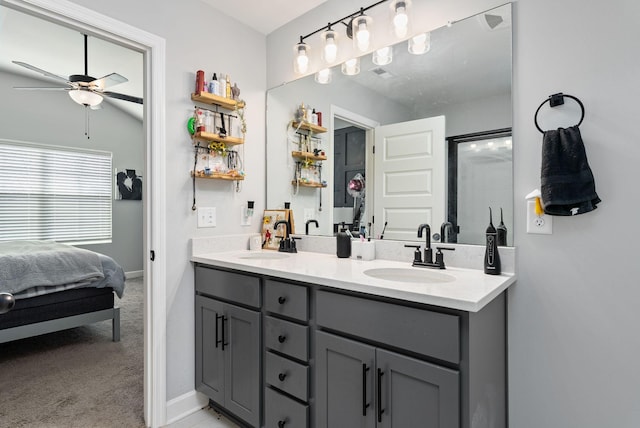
x=310, y=340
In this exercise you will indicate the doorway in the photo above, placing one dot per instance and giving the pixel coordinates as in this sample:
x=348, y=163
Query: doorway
x=153, y=49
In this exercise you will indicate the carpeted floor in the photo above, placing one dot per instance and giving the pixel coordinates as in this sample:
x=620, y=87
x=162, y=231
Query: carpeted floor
x=77, y=377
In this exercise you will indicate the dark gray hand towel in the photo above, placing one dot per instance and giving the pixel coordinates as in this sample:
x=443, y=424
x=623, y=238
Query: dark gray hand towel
x=568, y=187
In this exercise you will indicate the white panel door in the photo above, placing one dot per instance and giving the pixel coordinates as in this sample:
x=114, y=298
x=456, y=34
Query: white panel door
x=410, y=177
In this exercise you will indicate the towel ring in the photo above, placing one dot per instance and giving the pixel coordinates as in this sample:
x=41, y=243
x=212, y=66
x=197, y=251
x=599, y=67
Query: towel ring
x=554, y=101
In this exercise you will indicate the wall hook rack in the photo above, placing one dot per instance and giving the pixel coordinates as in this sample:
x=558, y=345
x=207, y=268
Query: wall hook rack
x=556, y=100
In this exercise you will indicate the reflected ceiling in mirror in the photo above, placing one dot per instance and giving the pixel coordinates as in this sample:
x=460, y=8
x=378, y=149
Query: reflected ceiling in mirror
x=465, y=76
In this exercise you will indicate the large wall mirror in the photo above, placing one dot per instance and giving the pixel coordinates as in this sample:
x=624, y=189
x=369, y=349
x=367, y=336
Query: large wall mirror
x=429, y=134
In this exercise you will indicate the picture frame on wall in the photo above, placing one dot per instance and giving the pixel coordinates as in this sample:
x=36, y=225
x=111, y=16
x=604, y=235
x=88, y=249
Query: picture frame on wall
x=128, y=185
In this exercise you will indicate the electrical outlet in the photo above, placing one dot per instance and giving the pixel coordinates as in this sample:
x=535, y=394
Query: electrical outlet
x=308, y=214
x=542, y=224
x=207, y=217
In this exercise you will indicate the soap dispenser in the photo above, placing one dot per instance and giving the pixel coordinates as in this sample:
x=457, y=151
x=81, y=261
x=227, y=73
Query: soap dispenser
x=343, y=243
x=491, y=256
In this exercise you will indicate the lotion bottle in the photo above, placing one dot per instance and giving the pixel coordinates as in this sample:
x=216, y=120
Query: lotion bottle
x=491, y=256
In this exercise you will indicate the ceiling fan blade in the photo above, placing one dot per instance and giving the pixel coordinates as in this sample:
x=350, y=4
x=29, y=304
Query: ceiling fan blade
x=39, y=70
x=28, y=88
x=109, y=80
x=122, y=97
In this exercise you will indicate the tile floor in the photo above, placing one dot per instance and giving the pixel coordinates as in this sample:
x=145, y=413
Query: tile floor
x=205, y=418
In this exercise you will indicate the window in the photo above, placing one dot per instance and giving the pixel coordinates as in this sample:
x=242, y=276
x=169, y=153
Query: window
x=57, y=193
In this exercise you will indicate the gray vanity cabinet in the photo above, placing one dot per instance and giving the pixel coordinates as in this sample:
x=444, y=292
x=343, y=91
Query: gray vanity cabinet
x=359, y=385
x=228, y=343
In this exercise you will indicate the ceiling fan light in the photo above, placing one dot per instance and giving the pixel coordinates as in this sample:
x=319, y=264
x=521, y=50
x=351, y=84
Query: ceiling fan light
x=85, y=97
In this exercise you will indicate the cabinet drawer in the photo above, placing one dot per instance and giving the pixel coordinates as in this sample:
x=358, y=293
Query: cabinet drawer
x=287, y=338
x=286, y=299
x=287, y=375
x=231, y=286
x=284, y=412
x=425, y=332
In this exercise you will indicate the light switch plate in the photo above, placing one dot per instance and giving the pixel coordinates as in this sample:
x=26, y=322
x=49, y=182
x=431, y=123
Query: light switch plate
x=245, y=218
x=538, y=224
x=207, y=217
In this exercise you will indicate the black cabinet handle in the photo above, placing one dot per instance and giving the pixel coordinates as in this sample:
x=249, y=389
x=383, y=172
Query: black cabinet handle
x=282, y=299
x=380, y=409
x=217, y=328
x=365, y=369
x=282, y=376
x=224, y=339
x=281, y=423
x=282, y=338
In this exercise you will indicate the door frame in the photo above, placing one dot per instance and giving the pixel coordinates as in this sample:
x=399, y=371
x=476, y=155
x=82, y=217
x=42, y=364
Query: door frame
x=369, y=126
x=154, y=201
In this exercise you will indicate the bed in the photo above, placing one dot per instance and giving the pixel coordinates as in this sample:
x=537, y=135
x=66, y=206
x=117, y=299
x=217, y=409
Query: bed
x=47, y=287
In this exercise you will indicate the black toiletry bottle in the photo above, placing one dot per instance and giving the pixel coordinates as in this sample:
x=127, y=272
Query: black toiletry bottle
x=343, y=243
x=502, y=232
x=491, y=256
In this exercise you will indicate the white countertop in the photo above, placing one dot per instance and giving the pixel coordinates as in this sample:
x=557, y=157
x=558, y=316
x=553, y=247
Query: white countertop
x=470, y=291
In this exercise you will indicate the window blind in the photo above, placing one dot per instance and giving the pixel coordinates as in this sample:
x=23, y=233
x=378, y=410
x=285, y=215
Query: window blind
x=62, y=194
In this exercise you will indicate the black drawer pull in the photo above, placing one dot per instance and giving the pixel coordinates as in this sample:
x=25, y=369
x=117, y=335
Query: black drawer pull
x=365, y=405
x=282, y=338
x=281, y=423
x=380, y=409
x=282, y=376
x=224, y=339
x=217, y=328
x=282, y=299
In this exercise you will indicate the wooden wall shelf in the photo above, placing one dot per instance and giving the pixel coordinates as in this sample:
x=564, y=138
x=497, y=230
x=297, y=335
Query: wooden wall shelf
x=309, y=127
x=308, y=155
x=207, y=137
x=207, y=98
x=217, y=176
x=305, y=184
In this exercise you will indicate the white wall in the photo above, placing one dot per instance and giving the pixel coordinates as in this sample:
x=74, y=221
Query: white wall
x=572, y=318
x=198, y=38
x=52, y=118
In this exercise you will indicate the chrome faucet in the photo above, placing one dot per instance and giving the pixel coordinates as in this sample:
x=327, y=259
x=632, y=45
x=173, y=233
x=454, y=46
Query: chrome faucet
x=287, y=243
x=428, y=252
x=443, y=229
x=306, y=225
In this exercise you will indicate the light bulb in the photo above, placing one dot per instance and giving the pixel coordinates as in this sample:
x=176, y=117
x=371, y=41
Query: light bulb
x=301, y=61
x=383, y=56
x=420, y=44
x=330, y=48
x=363, y=36
x=351, y=67
x=323, y=76
x=401, y=20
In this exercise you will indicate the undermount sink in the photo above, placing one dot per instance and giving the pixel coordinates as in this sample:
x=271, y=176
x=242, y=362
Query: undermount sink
x=264, y=256
x=415, y=275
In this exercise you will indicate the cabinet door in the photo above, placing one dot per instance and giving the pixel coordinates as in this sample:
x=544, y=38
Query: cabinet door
x=344, y=383
x=242, y=363
x=414, y=393
x=209, y=353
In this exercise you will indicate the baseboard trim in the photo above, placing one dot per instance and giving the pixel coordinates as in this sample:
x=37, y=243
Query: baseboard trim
x=184, y=405
x=134, y=274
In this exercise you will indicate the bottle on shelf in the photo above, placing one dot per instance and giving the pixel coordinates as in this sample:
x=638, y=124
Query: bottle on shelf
x=314, y=117
x=223, y=86
x=214, y=85
x=228, y=88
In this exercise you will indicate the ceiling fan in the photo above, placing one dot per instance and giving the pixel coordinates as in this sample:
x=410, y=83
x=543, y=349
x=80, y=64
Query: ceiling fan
x=84, y=89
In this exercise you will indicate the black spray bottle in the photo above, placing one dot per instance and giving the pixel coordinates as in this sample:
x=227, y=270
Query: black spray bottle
x=491, y=256
x=502, y=232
